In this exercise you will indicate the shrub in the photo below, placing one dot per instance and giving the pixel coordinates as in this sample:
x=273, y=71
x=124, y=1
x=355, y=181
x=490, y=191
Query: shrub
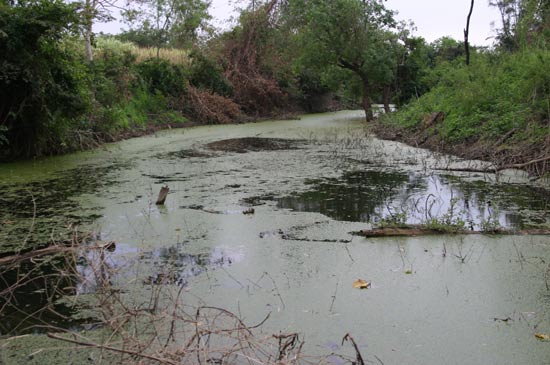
x=161, y=76
x=488, y=99
x=42, y=84
x=205, y=74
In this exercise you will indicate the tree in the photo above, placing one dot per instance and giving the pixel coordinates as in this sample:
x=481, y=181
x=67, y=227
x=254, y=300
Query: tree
x=349, y=34
x=417, y=60
x=466, y=34
x=174, y=22
x=41, y=82
x=92, y=10
x=256, y=58
x=524, y=22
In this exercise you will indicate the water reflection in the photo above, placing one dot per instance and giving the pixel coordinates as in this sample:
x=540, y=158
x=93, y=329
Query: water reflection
x=372, y=196
x=30, y=212
x=30, y=294
x=172, y=265
x=165, y=265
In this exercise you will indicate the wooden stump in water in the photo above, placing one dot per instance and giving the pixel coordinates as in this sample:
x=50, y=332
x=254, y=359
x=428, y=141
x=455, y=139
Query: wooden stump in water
x=162, y=195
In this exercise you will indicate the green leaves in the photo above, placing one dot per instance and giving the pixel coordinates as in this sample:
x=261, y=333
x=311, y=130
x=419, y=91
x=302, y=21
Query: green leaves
x=40, y=84
x=173, y=23
x=353, y=35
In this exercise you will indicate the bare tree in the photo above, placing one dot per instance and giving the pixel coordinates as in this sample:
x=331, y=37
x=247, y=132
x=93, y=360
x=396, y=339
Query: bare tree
x=466, y=33
x=93, y=10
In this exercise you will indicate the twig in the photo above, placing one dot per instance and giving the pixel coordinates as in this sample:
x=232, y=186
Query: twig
x=114, y=349
x=347, y=250
x=287, y=342
x=358, y=358
x=275, y=288
x=33, y=254
x=334, y=296
x=232, y=277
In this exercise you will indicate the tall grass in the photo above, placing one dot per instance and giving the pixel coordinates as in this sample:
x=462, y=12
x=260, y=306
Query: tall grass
x=106, y=46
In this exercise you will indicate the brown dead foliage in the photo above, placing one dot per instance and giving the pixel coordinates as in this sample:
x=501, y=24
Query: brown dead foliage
x=204, y=107
x=250, y=64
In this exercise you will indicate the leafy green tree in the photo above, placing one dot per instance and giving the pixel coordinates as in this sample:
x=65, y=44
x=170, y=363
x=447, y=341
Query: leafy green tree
x=42, y=83
x=417, y=61
x=350, y=34
x=90, y=12
x=168, y=22
x=523, y=23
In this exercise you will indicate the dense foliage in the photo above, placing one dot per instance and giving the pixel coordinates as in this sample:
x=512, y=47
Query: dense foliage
x=498, y=107
x=41, y=83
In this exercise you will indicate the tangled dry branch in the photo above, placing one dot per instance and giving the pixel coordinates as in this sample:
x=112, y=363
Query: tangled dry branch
x=161, y=327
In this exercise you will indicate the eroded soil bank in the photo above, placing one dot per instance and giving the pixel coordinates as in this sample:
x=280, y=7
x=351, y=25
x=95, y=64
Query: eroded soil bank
x=514, y=149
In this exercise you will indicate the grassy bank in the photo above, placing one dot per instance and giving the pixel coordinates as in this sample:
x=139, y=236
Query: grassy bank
x=496, y=109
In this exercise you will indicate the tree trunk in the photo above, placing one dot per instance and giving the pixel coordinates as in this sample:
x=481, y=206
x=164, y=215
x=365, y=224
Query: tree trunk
x=88, y=16
x=466, y=33
x=357, y=69
x=387, y=98
x=88, y=43
x=367, y=103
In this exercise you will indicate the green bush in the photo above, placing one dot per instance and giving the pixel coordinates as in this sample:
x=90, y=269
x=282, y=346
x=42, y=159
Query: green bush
x=495, y=94
x=159, y=75
x=204, y=74
x=42, y=84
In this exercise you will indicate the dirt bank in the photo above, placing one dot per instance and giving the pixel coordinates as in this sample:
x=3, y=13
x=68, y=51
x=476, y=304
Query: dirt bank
x=515, y=149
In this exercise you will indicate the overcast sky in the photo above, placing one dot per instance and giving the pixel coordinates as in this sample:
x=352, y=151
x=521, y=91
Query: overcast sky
x=433, y=18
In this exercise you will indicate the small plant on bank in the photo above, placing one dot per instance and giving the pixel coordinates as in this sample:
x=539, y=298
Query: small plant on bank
x=395, y=220
x=490, y=225
x=439, y=225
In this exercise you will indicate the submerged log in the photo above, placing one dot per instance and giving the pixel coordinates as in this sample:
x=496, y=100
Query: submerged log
x=422, y=230
x=162, y=195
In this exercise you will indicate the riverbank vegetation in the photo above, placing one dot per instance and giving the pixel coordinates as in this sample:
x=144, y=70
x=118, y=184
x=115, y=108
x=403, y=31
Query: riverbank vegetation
x=63, y=88
x=497, y=108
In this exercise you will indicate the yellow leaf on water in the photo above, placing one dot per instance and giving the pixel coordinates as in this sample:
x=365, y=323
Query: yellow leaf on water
x=542, y=336
x=361, y=284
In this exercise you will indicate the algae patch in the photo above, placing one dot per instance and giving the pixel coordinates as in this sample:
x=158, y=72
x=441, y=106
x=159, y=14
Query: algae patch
x=254, y=144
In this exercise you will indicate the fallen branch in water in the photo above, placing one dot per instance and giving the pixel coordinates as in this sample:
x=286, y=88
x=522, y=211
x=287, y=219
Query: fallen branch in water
x=51, y=250
x=163, y=193
x=114, y=349
x=422, y=230
x=495, y=168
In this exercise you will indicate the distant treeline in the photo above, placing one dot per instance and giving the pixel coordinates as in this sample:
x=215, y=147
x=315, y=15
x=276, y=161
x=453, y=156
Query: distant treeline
x=64, y=88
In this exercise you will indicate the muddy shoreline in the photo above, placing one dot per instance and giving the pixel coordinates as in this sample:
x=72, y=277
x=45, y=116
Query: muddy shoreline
x=507, y=152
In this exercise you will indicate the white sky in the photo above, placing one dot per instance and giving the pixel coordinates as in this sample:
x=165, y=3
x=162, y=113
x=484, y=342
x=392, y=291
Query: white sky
x=432, y=18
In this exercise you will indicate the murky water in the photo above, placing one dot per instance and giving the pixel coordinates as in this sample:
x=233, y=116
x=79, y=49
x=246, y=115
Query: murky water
x=310, y=182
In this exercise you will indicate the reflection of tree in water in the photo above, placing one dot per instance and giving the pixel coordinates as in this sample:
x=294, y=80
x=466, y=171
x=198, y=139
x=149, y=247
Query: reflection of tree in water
x=367, y=196
x=509, y=201
x=49, y=205
x=353, y=197
x=30, y=293
x=173, y=265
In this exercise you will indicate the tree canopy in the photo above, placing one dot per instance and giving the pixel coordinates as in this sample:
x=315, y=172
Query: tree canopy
x=175, y=23
x=353, y=35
